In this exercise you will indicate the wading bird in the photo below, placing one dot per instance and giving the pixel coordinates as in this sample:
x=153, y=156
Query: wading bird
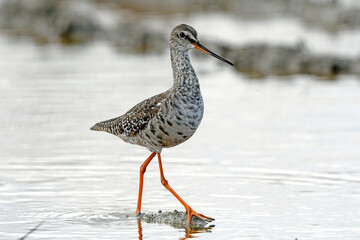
x=169, y=118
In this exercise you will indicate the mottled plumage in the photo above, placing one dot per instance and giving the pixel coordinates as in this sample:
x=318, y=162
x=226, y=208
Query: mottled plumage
x=133, y=121
x=167, y=119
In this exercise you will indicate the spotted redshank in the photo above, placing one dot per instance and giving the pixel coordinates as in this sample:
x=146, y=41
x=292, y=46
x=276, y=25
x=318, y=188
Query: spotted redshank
x=169, y=118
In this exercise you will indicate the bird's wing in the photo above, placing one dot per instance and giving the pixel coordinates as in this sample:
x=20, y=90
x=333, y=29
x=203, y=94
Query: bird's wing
x=135, y=119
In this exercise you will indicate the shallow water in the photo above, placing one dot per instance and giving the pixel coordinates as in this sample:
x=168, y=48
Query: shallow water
x=272, y=159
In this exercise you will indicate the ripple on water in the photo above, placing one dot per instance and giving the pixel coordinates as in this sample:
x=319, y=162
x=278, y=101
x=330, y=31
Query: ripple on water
x=291, y=177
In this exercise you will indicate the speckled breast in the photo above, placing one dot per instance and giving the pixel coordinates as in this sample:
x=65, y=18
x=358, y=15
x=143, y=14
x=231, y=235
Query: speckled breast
x=177, y=121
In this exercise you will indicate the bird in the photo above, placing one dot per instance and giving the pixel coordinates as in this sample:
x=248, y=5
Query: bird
x=169, y=118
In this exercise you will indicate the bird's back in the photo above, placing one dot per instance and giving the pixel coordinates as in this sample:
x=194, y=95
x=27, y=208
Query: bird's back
x=133, y=121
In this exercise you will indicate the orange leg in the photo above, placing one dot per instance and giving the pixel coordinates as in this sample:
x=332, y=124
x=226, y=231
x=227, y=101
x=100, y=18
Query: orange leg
x=142, y=171
x=189, y=210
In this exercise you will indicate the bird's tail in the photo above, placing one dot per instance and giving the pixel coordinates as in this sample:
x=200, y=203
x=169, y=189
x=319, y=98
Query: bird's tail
x=98, y=127
x=111, y=126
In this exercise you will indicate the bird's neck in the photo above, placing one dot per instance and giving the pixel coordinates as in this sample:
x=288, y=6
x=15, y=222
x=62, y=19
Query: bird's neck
x=183, y=72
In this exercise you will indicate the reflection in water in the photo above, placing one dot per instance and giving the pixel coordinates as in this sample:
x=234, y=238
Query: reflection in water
x=189, y=231
x=139, y=229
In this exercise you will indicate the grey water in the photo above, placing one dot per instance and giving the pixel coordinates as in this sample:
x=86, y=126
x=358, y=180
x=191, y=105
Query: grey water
x=276, y=158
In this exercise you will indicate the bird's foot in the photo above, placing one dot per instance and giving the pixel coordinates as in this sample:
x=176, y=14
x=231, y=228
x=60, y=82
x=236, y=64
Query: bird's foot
x=192, y=213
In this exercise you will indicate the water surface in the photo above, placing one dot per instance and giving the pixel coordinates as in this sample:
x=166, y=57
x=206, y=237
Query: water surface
x=272, y=159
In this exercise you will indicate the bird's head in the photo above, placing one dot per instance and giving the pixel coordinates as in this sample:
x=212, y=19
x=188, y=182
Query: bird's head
x=184, y=37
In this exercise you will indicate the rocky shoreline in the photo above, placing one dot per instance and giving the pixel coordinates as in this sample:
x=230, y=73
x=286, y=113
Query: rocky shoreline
x=68, y=22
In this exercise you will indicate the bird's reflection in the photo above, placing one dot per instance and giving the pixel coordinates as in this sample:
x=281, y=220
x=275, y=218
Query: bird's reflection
x=189, y=231
x=139, y=229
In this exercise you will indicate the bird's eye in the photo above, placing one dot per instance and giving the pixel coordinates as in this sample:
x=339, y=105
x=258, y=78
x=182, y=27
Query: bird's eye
x=182, y=35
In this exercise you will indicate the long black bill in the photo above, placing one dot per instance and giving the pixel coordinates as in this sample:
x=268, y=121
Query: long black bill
x=199, y=46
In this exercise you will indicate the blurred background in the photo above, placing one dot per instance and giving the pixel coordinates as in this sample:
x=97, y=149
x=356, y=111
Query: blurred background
x=276, y=155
